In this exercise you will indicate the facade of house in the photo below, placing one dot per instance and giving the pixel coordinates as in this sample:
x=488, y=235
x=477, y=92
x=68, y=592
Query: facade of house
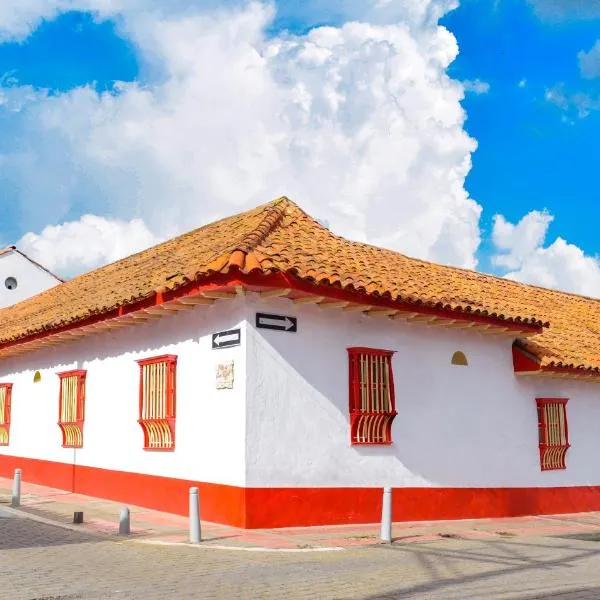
x=291, y=374
x=21, y=277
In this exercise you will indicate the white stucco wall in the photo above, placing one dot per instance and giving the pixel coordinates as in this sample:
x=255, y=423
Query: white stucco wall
x=285, y=423
x=31, y=279
x=472, y=426
x=210, y=426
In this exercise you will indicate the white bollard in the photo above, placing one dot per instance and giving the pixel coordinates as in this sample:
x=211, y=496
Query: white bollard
x=124, y=521
x=195, y=533
x=16, y=491
x=386, y=516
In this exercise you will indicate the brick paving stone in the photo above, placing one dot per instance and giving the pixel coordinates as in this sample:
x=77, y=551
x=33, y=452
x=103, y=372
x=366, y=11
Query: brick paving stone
x=553, y=557
x=38, y=561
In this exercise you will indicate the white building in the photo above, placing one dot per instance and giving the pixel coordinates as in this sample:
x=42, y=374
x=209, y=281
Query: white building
x=21, y=277
x=291, y=374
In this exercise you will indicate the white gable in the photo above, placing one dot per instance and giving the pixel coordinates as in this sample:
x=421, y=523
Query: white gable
x=20, y=278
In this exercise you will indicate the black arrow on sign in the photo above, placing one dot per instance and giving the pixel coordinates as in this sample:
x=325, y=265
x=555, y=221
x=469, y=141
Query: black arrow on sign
x=226, y=339
x=277, y=322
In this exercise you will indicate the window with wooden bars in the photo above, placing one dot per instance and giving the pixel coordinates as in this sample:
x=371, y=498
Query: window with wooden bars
x=71, y=408
x=5, y=398
x=553, y=432
x=157, y=402
x=372, y=402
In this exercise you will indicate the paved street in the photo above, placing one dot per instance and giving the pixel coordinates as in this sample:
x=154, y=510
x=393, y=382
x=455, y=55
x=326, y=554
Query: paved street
x=39, y=561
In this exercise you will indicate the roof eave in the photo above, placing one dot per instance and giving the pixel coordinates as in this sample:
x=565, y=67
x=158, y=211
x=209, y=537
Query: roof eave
x=526, y=363
x=226, y=285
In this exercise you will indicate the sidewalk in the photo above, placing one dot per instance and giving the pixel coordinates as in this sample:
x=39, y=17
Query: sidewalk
x=101, y=517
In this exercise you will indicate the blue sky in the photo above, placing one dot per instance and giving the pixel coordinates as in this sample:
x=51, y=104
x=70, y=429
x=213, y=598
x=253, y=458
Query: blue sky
x=70, y=51
x=536, y=127
x=528, y=156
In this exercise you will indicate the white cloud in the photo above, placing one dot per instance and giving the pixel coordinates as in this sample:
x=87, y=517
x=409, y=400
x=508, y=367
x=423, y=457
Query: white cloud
x=560, y=10
x=577, y=104
x=519, y=241
x=589, y=62
x=559, y=265
x=359, y=123
x=476, y=86
x=522, y=83
x=87, y=243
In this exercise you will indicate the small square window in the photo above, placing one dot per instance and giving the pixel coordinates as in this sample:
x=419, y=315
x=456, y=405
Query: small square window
x=157, y=402
x=553, y=433
x=71, y=408
x=5, y=400
x=372, y=402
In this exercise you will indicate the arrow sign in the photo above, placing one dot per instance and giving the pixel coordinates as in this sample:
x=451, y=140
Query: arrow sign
x=277, y=322
x=226, y=339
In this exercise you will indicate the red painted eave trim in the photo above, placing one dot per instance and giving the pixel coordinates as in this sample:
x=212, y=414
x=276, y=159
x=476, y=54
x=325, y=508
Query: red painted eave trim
x=526, y=363
x=257, y=282
x=583, y=373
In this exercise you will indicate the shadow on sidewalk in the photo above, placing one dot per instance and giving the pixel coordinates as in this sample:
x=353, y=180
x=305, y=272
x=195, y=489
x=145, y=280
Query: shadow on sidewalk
x=504, y=561
x=17, y=532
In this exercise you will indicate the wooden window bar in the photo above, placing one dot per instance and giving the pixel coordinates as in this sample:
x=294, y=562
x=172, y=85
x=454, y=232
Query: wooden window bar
x=157, y=402
x=5, y=400
x=71, y=408
x=553, y=433
x=372, y=403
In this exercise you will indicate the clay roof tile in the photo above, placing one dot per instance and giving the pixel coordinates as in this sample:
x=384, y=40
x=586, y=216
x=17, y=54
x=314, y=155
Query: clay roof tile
x=280, y=237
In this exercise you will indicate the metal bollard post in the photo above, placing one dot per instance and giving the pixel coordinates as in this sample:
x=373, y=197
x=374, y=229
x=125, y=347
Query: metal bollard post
x=195, y=533
x=125, y=521
x=16, y=491
x=386, y=516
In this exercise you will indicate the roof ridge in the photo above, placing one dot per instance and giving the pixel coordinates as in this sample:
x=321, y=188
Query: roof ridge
x=241, y=254
x=275, y=210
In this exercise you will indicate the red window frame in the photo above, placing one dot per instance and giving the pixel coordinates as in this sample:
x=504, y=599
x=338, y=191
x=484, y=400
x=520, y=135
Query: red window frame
x=71, y=419
x=553, y=433
x=372, y=402
x=5, y=423
x=157, y=421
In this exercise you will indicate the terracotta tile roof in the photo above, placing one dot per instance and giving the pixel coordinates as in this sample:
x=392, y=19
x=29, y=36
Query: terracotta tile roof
x=280, y=238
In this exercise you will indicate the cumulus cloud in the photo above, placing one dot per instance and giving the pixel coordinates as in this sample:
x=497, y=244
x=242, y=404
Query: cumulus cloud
x=359, y=123
x=476, y=86
x=19, y=19
x=589, y=62
x=560, y=10
x=86, y=243
x=517, y=242
x=521, y=249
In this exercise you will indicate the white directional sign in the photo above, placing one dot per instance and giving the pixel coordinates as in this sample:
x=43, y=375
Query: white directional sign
x=277, y=322
x=226, y=339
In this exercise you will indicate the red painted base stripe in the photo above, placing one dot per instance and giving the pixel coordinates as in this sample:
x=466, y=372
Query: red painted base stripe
x=296, y=507
x=220, y=503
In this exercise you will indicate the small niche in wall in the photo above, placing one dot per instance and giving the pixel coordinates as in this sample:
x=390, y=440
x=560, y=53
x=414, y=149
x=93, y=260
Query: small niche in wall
x=459, y=358
x=37, y=377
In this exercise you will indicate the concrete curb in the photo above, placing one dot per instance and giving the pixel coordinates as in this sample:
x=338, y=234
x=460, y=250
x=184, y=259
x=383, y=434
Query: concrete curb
x=241, y=548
